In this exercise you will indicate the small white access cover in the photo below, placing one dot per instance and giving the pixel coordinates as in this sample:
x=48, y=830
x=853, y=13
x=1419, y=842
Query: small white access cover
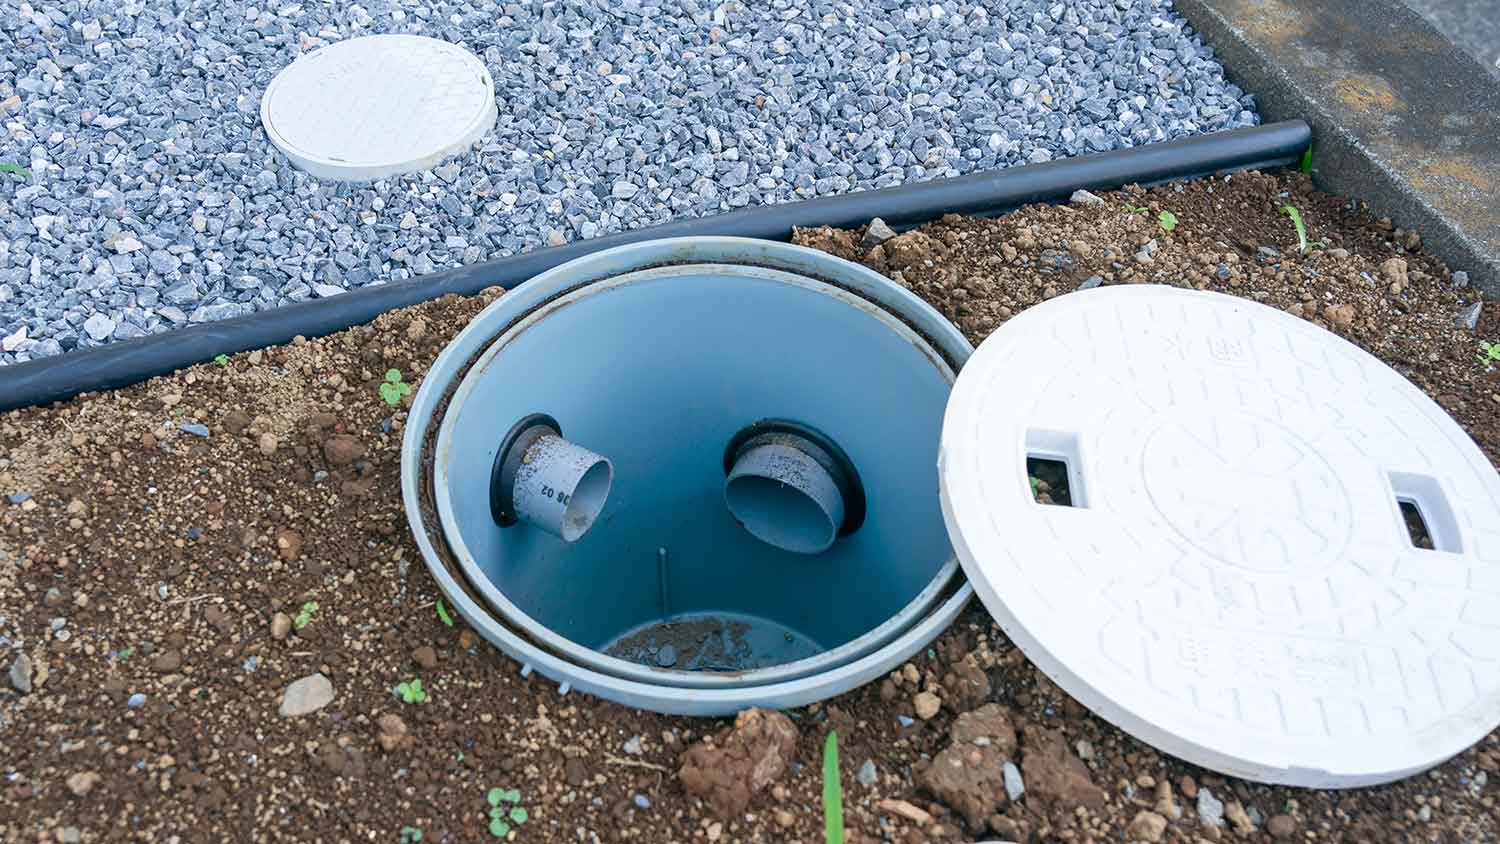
x=1236, y=584
x=376, y=106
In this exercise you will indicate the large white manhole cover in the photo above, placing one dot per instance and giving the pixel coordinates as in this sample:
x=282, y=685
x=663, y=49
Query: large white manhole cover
x=1239, y=579
x=379, y=105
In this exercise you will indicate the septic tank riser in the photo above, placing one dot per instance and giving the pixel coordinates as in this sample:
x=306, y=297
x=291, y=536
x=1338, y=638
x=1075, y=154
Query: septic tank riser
x=646, y=687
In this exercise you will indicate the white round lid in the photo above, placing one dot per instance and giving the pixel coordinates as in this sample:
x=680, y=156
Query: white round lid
x=1236, y=583
x=378, y=105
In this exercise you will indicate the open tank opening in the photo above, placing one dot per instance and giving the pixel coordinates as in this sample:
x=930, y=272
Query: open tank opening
x=687, y=568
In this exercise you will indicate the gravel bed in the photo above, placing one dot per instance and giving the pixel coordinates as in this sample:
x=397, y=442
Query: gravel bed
x=154, y=200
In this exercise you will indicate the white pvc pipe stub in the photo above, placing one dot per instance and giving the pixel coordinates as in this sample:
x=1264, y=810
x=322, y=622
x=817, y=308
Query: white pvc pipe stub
x=546, y=481
x=792, y=487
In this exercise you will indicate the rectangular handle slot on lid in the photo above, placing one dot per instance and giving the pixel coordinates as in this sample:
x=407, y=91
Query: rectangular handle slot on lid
x=1054, y=468
x=1426, y=516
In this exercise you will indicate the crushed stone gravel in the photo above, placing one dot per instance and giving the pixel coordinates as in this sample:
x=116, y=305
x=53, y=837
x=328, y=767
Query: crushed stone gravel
x=154, y=200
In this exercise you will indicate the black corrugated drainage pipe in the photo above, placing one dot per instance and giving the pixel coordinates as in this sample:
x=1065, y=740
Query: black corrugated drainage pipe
x=130, y=361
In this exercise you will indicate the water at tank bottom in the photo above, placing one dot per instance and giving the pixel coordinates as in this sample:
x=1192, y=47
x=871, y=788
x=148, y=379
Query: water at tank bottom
x=713, y=642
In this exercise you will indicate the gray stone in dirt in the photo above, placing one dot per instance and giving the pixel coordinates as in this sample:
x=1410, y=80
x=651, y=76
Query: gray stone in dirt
x=1460, y=279
x=642, y=801
x=1091, y=282
x=1083, y=197
x=1210, y=808
x=633, y=746
x=1014, y=786
x=69, y=835
x=136, y=701
x=666, y=657
x=867, y=774
x=185, y=293
x=324, y=291
x=18, y=498
x=20, y=674
x=877, y=233
x=1469, y=317
x=194, y=428
x=306, y=696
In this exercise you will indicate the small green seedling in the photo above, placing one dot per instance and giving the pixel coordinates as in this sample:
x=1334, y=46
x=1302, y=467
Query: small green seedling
x=392, y=389
x=411, y=835
x=1035, y=483
x=1167, y=220
x=1291, y=211
x=1491, y=356
x=443, y=615
x=304, y=615
x=411, y=691
x=126, y=654
x=221, y=360
x=1136, y=209
x=7, y=167
x=1307, y=159
x=833, y=795
x=501, y=817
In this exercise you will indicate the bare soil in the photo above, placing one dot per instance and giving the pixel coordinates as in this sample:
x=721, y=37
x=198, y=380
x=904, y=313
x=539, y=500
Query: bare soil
x=160, y=587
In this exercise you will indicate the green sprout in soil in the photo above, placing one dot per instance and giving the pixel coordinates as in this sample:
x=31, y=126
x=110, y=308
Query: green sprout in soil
x=833, y=795
x=502, y=817
x=1035, y=483
x=443, y=615
x=1307, y=159
x=392, y=389
x=411, y=835
x=7, y=167
x=1491, y=356
x=1136, y=209
x=125, y=654
x=1291, y=211
x=1167, y=220
x=411, y=691
x=304, y=615
x=221, y=360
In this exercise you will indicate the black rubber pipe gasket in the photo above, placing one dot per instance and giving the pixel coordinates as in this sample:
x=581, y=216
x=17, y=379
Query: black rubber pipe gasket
x=994, y=192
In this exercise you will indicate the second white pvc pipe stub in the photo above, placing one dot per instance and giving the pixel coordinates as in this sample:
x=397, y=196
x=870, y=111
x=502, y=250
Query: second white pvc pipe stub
x=785, y=497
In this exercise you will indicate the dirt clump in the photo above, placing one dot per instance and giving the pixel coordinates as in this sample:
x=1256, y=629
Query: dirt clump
x=969, y=776
x=727, y=770
x=1054, y=774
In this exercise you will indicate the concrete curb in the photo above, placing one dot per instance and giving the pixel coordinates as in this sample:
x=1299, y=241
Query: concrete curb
x=1401, y=118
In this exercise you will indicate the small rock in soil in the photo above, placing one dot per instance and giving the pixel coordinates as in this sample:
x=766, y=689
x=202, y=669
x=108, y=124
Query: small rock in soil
x=281, y=626
x=1054, y=774
x=193, y=428
x=268, y=444
x=70, y=834
x=82, y=783
x=167, y=661
x=19, y=498
x=867, y=774
x=1281, y=826
x=289, y=544
x=740, y=761
x=1091, y=282
x=136, y=701
x=1083, y=197
x=966, y=686
x=1238, y=818
x=306, y=696
x=392, y=731
x=20, y=674
x=876, y=233
x=1469, y=317
x=903, y=809
x=642, y=801
x=1460, y=281
x=1210, y=808
x=1014, y=785
x=927, y=705
x=342, y=450
x=666, y=657
x=425, y=656
x=633, y=746
x=1146, y=826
